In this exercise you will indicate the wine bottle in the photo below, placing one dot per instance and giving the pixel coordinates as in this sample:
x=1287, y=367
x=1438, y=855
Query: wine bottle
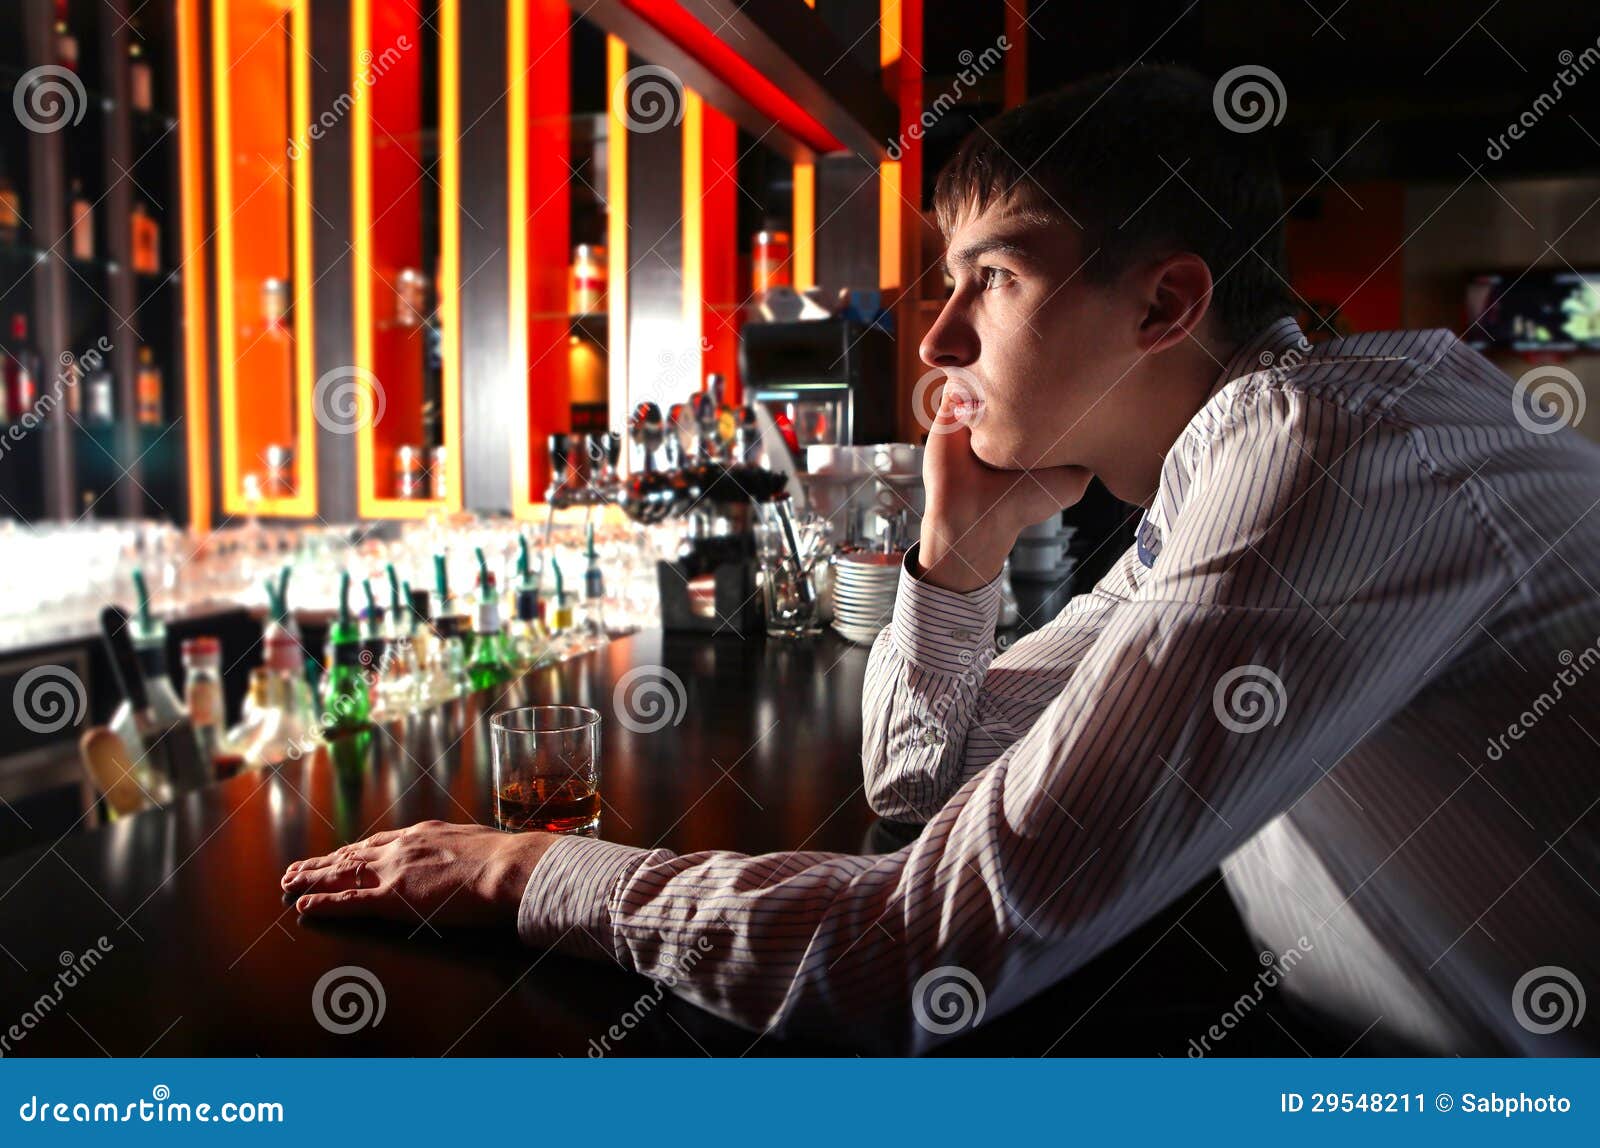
x=148, y=389
x=151, y=722
x=81, y=212
x=490, y=665
x=347, y=705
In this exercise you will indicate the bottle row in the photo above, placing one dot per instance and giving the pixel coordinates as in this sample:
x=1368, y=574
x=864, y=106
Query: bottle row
x=144, y=229
x=381, y=664
x=84, y=387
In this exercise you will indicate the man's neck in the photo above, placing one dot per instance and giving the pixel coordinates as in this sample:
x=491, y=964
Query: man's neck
x=1168, y=399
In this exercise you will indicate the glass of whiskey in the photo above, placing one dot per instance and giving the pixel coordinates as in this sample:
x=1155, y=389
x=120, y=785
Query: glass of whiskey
x=547, y=769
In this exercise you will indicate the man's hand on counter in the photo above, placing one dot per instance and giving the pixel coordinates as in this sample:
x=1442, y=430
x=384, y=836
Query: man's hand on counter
x=450, y=874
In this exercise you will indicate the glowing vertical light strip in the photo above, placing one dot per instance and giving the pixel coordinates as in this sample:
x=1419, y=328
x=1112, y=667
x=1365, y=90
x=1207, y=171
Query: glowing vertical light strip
x=889, y=170
x=227, y=337
x=361, y=225
x=450, y=237
x=617, y=233
x=305, y=497
x=517, y=244
x=805, y=226
x=694, y=213
x=191, y=159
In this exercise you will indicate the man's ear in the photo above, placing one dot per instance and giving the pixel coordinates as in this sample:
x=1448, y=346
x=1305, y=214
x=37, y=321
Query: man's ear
x=1177, y=294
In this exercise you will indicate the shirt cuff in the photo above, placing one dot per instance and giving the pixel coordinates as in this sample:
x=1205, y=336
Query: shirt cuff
x=566, y=904
x=939, y=629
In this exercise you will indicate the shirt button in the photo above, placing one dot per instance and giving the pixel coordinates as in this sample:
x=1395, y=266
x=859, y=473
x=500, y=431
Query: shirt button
x=963, y=635
x=932, y=737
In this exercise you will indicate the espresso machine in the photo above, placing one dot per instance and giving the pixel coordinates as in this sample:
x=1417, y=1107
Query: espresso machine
x=823, y=382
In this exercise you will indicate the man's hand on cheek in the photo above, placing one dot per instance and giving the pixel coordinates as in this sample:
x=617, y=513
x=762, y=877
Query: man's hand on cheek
x=448, y=874
x=974, y=510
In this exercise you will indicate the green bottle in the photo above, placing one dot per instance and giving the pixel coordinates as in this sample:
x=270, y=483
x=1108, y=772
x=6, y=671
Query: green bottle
x=491, y=665
x=346, y=703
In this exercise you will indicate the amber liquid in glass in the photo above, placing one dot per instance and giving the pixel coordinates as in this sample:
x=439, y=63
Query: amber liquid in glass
x=551, y=804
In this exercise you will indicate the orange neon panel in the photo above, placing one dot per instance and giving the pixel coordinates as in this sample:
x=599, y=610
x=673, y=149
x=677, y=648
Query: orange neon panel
x=263, y=201
x=712, y=293
x=191, y=167
x=389, y=182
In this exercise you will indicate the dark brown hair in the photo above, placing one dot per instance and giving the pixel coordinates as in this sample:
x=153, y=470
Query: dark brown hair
x=1144, y=166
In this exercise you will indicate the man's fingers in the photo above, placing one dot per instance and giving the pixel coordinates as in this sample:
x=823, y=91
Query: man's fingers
x=344, y=873
x=346, y=903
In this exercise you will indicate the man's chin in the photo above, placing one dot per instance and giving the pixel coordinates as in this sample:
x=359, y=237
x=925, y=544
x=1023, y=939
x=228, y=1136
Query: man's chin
x=998, y=456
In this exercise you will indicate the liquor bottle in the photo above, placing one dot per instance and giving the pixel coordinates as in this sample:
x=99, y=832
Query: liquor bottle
x=397, y=676
x=141, y=85
x=202, y=696
x=491, y=665
x=66, y=43
x=452, y=631
x=10, y=209
x=561, y=616
x=594, y=592
x=148, y=389
x=146, y=245
x=102, y=391
x=81, y=212
x=151, y=721
x=239, y=737
x=374, y=647
x=21, y=372
x=530, y=642
x=346, y=703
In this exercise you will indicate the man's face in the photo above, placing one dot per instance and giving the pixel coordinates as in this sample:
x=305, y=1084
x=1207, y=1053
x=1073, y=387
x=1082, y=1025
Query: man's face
x=1042, y=346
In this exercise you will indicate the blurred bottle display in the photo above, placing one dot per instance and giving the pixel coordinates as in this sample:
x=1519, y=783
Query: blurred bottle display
x=148, y=389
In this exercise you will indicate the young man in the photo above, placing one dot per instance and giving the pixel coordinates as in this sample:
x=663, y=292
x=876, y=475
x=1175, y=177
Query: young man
x=1350, y=657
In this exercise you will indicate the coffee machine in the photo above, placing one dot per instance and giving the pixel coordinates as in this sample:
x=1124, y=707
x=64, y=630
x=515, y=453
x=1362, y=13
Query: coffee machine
x=825, y=382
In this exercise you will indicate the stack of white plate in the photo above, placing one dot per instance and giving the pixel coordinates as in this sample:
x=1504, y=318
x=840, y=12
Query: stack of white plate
x=864, y=584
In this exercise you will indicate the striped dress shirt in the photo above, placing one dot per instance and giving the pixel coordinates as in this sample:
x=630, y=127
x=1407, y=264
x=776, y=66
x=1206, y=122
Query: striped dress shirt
x=1352, y=659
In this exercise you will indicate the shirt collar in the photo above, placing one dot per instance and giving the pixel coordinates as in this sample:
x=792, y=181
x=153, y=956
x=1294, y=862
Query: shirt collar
x=1269, y=347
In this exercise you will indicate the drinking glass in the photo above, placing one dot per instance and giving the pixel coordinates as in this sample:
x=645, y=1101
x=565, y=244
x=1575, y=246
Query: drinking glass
x=547, y=769
x=788, y=553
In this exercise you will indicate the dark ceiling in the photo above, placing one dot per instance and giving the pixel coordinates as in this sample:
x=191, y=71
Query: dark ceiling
x=1395, y=89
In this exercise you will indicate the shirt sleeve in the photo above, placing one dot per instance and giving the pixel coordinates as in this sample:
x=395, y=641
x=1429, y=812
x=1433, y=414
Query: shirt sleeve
x=923, y=677
x=1319, y=575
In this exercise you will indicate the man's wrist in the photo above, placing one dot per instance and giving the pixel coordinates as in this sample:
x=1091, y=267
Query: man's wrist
x=961, y=559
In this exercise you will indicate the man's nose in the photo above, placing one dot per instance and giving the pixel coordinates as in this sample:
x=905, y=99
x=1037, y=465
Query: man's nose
x=951, y=341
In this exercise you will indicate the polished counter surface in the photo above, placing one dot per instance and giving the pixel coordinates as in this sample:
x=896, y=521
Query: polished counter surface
x=746, y=745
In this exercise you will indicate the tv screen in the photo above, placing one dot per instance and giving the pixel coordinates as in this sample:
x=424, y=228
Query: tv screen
x=1539, y=310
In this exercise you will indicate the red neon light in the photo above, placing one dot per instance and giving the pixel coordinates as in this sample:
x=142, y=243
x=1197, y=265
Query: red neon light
x=668, y=18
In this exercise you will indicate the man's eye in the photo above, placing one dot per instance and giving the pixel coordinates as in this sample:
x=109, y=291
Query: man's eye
x=993, y=277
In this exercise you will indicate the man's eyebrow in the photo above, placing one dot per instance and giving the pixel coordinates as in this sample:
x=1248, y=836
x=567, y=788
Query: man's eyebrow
x=972, y=252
